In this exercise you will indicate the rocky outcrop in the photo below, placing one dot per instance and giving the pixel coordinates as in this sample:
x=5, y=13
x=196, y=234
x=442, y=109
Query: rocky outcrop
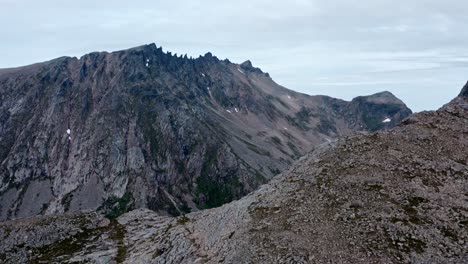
x=142, y=128
x=464, y=92
x=247, y=66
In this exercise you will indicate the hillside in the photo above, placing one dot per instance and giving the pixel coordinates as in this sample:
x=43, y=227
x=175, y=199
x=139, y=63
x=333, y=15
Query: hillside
x=395, y=196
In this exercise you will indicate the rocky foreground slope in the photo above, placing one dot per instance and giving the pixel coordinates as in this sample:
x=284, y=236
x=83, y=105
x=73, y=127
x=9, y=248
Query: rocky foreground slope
x=142, y=128
x=396, y=196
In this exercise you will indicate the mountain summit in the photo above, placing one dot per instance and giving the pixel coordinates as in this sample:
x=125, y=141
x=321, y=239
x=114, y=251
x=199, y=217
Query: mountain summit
x=143, y=128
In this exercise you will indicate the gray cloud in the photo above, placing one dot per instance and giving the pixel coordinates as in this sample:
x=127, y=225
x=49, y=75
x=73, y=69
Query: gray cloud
x=416, y=49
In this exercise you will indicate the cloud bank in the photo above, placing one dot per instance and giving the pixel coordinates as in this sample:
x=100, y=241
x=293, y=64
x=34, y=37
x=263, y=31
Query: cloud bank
x=416, y=49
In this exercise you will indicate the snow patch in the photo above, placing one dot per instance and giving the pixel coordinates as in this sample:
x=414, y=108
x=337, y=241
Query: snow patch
x=289, y=97
x=240, y=71
x=237, y=110
x=69, y=138
x=203, y=74
x=387, y=120
x=208, y=88
x=229, y=111
x=68, y=131
x=147, y=63
x=285, y=128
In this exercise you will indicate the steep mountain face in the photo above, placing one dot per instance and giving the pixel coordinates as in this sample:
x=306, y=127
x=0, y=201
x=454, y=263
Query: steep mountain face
x=395, y=196
x=141, y=128
x=367, y=111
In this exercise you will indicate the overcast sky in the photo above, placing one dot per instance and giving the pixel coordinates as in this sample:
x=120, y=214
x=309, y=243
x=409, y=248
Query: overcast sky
x=417, y=49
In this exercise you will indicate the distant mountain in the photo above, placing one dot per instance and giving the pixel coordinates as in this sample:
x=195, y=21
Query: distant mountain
x=142, y=128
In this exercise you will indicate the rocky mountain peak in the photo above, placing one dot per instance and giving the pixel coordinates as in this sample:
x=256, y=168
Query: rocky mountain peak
x=209, y=57
x=247, y=66
x=464, y=91
x=387, y=111
x=384, y=97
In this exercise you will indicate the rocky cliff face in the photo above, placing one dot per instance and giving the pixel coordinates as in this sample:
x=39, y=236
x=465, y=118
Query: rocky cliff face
x=141, y=128
x=396, y=196
x=464, y=92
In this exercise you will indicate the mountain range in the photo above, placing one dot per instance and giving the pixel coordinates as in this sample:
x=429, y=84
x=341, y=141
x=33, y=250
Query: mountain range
x=143, y=128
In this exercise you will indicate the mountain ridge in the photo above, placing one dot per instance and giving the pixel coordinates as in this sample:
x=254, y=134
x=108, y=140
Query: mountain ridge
x=141, y=128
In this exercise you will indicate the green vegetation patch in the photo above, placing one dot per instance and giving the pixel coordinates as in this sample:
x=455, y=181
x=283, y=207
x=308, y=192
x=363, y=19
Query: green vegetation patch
x=114, y=207
x=86, y=241
x=214, y=193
